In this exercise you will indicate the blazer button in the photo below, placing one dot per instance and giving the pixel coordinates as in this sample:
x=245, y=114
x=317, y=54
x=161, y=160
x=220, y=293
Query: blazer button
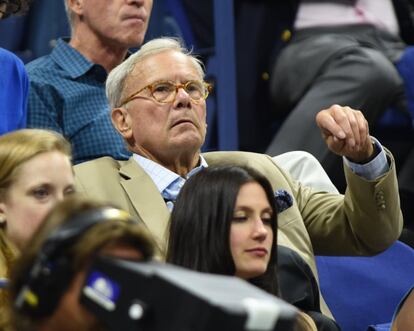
x=265, y=76
x=379, y=196
x=286, y=35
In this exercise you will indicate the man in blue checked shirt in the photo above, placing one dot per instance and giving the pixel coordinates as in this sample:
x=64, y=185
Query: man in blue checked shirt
x=67, y=87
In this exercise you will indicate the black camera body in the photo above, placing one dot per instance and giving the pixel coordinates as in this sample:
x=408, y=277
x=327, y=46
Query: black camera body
x=130, y=296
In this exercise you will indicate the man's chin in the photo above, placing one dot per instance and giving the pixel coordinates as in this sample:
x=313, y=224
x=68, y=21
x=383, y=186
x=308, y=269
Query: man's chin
x=134, y=40
x=187, y=143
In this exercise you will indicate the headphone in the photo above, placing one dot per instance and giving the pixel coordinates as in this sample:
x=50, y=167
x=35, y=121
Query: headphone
x=51, y=273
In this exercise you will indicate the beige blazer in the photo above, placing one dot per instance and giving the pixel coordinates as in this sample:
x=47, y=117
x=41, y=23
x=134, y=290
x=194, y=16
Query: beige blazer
x=364, y=221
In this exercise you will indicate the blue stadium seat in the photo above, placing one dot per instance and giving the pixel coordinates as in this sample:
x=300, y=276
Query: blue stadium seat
x=12, y=32
x=405, y=67
x=47, y=21
x=222, y=107
x=163, y=22
x=395, y=122
x=364, y=291
x=34, y=34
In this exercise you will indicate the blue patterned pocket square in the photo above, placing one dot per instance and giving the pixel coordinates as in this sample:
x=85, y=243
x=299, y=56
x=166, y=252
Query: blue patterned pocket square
x=283, y=200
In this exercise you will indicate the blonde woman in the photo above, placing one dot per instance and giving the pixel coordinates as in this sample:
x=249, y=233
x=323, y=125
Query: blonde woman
x=35, y=173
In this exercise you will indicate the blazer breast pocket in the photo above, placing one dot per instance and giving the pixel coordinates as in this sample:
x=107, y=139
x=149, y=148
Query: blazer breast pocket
x=285, y=213
x=286, y=217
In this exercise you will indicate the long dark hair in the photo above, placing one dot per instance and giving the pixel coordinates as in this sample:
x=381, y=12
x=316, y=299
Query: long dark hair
x=201, y=220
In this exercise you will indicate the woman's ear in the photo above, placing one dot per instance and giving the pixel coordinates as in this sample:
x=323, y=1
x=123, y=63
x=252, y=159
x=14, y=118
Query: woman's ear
x=122, y=122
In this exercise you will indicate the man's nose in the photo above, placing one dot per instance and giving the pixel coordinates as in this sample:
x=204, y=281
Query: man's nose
x=182, y=98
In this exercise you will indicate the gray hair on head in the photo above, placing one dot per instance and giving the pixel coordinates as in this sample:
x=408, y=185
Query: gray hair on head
x=115, y=82
x=69, y=13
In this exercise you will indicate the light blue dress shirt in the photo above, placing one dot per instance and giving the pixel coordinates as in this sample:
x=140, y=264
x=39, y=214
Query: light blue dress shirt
x=373, y=169
x=168, y=183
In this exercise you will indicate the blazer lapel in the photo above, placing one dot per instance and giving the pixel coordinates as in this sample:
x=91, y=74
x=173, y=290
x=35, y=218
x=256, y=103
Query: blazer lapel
x=146, y=200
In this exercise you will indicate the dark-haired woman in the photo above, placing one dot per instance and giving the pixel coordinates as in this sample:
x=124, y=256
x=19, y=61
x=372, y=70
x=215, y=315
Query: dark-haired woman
x=225, y=222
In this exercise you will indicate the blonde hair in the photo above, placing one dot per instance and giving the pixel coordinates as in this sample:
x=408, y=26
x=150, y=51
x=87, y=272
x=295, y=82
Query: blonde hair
x=304, y=323
x=16, y=148
x=115, y=82
x=20, y=146
x=8, y=255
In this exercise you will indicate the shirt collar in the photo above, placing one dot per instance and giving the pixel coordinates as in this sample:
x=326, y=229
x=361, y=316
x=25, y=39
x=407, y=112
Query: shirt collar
x=71, y=60
x=161, y=176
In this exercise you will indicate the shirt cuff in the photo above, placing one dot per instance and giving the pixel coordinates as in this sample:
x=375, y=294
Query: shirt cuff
x=374, y=168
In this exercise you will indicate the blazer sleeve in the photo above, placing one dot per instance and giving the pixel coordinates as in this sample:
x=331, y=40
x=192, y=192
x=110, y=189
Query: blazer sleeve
x=364, y=221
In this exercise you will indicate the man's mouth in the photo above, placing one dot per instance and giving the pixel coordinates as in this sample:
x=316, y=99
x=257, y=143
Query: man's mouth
x=136, y=18
x=182, y=121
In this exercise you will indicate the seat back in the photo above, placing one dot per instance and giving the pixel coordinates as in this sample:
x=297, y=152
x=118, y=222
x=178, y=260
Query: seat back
x=12, y=34
x=34, y=34
x=47, y=21
x=363, y=291
x=220, y=69
x=393, y=118
x=405, y=67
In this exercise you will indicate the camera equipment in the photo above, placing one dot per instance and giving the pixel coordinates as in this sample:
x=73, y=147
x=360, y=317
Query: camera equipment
x=151, y=296
x=51, y=273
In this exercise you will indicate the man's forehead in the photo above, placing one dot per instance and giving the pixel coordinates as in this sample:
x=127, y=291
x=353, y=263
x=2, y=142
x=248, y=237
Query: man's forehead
x=162, y=66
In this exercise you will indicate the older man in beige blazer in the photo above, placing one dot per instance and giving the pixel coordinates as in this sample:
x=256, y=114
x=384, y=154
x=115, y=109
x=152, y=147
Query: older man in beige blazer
x=158, y=106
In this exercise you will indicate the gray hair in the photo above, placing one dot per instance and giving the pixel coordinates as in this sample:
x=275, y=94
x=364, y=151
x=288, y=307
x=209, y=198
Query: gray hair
x=115, y=82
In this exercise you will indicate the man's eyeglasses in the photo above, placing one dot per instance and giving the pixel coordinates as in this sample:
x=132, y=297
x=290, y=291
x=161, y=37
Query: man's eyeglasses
x=165, y=91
